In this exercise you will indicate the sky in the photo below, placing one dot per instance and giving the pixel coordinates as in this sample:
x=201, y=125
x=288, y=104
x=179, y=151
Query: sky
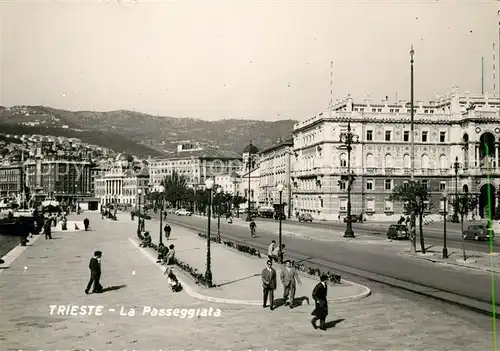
x=266, y=60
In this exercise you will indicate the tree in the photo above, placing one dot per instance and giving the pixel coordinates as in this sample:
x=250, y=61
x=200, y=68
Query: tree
x=464, y=204
x=415, y=197
x=176, y=188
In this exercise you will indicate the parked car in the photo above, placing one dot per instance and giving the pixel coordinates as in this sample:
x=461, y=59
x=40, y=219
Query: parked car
x=398, y=231
x=305, y=217
x=354, y=219
x=183, y=212
x=277, y=216
x=477, y=232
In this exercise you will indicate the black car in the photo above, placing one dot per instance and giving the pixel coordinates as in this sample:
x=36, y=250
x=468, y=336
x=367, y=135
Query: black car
x=354, y=219
x=397, y=231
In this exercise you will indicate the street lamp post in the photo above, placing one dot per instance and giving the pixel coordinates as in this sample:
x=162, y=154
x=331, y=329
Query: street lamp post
x=280, y=188
x=348, y=139
x=445, y=249
x=209, y=183
x=252, y=152
x=161, y=190
x=219, y=194
x=139, y=192
x=456, y=167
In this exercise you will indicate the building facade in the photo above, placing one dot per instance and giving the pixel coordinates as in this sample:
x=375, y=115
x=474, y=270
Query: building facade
x=196, y=163
x=121, y=183
x=11, y=178
x=275, y=167
x=455, y=126
x=50, y=175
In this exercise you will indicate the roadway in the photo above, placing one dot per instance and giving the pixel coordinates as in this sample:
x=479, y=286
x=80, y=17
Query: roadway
x=433, y=233
x=367, y=261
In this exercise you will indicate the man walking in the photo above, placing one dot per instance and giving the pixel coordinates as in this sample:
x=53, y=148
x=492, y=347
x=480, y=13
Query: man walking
x=167, y=229
x=47, y=228
x=86, y=223
x=95, y=273
x=268, y=284
x=321, y=310
x=288, y=277
x=271, y=250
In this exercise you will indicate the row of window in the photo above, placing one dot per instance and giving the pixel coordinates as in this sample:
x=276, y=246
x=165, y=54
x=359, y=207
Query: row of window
x=424, y=136
x=389, y=184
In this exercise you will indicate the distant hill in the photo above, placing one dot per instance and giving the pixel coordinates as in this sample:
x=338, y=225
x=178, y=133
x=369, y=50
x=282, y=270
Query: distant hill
x=158, y=134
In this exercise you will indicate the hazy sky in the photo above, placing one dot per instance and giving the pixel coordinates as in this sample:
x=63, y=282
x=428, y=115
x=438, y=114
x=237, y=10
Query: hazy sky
x=243, y=59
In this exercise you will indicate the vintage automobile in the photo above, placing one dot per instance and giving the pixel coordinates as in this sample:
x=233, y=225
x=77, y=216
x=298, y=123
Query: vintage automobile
x=305, y=217
x=477, y=232
x=354, y=219
x=183, y=212
x=397, y=231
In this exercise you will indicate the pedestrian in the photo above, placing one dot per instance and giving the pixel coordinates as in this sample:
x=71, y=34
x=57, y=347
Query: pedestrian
x=170, y=255
x=281, y=253
x=288, y=278
x=164, y=214
x=271, y=249
x=47, y=229
x=173, y=281
x=167, y=229
x=143, y=224
x=321, y=303
x=146, y=240
x=162, y=253
x=268, y=284
x=95, y=273
x=86, y=223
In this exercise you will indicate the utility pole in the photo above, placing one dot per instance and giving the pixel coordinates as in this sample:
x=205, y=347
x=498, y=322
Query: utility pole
x=412, y=140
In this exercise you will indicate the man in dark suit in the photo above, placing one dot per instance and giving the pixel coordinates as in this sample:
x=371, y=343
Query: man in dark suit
x=288, y=277
x=321, y=310
x=269, y=284
x=95, y=273
x=86, y=223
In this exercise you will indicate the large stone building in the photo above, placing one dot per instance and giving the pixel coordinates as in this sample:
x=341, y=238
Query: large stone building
x=449, y=127
x=196, y=163
x=121, y=182
x=275, y=167
x=63, y=178
x=11, y=178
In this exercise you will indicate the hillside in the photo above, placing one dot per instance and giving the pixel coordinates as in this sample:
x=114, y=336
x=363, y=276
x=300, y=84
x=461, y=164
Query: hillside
x=152, y=132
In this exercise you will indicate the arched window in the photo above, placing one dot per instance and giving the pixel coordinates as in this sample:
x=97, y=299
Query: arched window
x=465, y=188
x=406, y=161
x=443, y=162
x=370, y=162
x=343, y=160
x=388, y=161
x=424, y=162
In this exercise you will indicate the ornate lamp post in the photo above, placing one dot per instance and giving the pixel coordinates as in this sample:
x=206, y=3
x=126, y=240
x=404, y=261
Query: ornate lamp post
x=139, y=192
x=219, y=195
x=209, y=183
x=445, y=249
x=348, y=139
x=161, y=190
x=280, y=188
x=252, y=151
x=456, y=167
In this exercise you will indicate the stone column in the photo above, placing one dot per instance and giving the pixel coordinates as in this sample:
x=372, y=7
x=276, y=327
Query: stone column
x=496, y=155
x=476, y=155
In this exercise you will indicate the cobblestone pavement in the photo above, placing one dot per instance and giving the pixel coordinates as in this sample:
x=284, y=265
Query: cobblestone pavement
x=237, y=274
x=56, y=274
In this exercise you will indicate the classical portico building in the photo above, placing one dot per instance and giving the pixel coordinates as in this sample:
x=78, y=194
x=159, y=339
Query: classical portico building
x=121, y=182
x=455, y=126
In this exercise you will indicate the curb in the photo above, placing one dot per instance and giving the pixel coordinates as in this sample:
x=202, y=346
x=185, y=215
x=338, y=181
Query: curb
x=450, y=264
x=13, y=254
x=366, y=291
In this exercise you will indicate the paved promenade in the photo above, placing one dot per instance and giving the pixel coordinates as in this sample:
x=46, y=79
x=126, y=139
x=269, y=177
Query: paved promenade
x=56, y=274
x=237, y=275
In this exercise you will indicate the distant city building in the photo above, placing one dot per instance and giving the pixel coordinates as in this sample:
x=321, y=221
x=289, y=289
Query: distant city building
x=120, y=183
x=96, y=172
x=455, y=125
x=196, y=163
x=275, y=167
x=54, y=176
x=11, y=179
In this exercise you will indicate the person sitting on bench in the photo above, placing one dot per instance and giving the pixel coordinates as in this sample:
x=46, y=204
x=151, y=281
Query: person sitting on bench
x=162, y=253
x=146, y=241
x=173, y=281
x=170, y=255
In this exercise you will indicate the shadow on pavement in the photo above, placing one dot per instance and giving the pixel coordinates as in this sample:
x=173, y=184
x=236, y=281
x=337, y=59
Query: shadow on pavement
x=296, y=301
x=112, y=288
x=333, y=324
x=240, y=279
